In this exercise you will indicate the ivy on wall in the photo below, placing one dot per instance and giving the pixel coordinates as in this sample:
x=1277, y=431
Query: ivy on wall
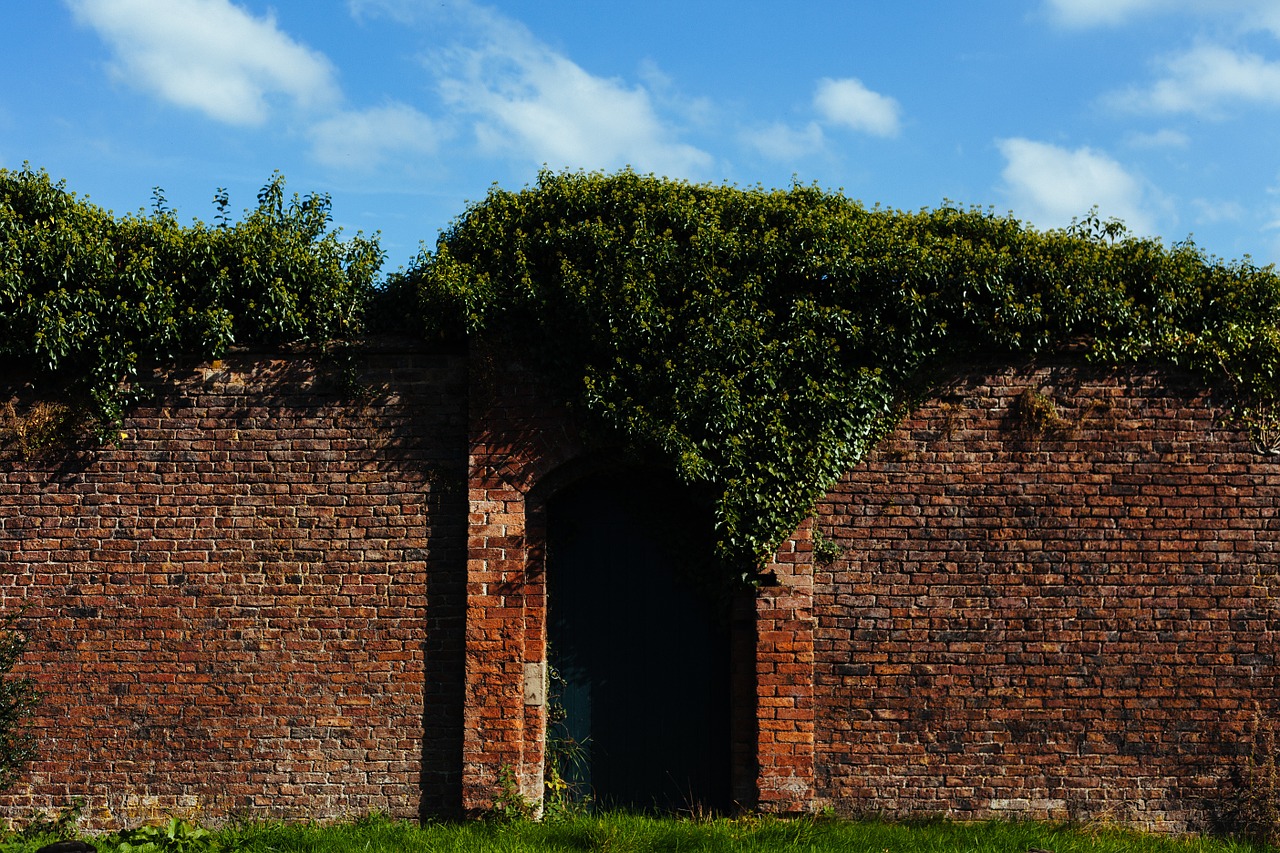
x=762, y=341
x=89, y=300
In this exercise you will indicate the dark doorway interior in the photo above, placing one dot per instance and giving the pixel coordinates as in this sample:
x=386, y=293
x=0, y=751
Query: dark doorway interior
x=640, y=644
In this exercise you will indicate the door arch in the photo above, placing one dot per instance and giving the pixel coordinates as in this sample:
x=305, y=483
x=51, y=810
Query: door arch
x=639, y=637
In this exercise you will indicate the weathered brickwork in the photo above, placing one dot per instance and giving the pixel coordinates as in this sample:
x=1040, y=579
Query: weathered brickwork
x=1059, y=610
x=784, y=649
x=287, y=593
x=254, y=603
x=517, y=439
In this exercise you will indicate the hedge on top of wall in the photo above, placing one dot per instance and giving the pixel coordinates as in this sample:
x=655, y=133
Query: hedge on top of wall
x=762, y=341
x=89, y=300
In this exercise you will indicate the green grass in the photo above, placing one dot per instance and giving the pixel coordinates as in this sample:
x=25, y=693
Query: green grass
x=640, y=834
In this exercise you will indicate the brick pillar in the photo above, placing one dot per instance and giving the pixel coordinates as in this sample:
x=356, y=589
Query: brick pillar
x=502, y=714
x=784, y=678
x=518, y=433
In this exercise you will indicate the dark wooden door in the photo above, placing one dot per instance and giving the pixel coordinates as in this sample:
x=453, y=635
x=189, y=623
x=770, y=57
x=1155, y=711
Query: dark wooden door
x=640, y=645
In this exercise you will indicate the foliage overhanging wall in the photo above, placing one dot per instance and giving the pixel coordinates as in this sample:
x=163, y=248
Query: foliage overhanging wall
x=762, y=342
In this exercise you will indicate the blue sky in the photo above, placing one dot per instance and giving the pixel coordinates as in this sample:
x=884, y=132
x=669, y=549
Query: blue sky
x=1164, y=113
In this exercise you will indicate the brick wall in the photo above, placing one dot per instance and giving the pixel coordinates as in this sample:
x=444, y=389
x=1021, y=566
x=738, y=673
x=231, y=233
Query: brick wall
x=1052, y=597
x=1060, y=612
x=255, y=602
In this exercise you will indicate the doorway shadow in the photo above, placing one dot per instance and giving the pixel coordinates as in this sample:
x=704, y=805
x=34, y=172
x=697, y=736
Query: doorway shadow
x=638, y=637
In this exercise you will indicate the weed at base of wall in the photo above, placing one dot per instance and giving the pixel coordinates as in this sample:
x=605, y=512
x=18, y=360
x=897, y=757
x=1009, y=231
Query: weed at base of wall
x=1250, y=804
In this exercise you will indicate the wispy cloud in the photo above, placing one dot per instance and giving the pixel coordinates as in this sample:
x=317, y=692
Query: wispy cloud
x=528, y=101
x=837, y=104
x=1089, y=13
x=363, y=139
x=668, y=98
x=1093, y=13
x=401, y=11
x=850, y=104
x=1209, y=211
x=782, y=142
x=1164, y=138
x=208, y=55
x=1268, y=18
x=1205, y=80
x=1049, y=186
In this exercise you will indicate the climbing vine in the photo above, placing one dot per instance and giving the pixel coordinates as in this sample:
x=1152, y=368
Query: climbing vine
x=763, y=341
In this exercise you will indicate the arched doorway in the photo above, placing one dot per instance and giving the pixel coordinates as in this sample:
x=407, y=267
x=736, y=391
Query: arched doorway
x=640, y=640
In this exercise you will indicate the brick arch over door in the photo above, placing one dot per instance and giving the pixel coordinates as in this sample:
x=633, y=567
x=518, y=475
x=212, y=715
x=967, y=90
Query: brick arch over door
x=521, y=451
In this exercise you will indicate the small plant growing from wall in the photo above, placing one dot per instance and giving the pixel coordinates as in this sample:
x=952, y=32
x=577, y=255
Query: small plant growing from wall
x=1037, y=415
x=565, y=756
x=1262, y=421
x=509, y=805
x=825, y=549
x=174, y=836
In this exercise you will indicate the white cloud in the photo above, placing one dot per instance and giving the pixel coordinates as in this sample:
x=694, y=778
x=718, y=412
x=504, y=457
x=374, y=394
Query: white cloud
x=849, y=103
x=363, y=139
x=842, y=103
x=1049, y=186
x=531, y=102
x=208, y=55
x=781, y=142
x=1203, y=79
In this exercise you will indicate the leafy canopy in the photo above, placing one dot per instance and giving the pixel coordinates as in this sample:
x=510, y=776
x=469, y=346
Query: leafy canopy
x=762, y=341
x=89, y=300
